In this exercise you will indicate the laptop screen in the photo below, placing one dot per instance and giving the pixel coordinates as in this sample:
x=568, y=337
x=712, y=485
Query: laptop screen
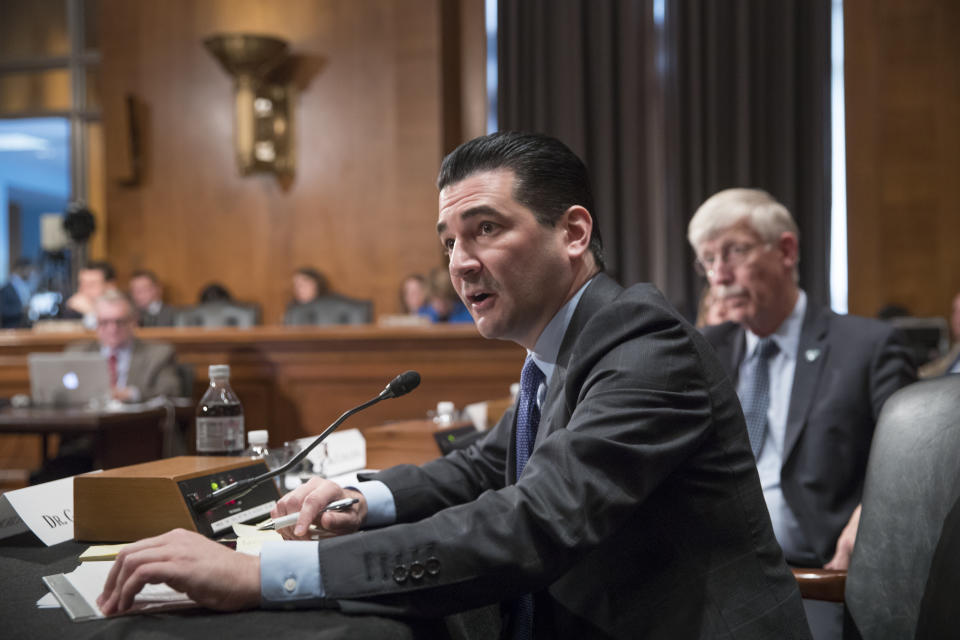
x=68, y=379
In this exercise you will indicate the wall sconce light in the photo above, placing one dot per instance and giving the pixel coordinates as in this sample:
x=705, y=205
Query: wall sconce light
x=263, y=130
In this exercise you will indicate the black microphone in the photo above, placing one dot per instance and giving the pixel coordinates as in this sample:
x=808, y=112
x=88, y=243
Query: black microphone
x=401, y=385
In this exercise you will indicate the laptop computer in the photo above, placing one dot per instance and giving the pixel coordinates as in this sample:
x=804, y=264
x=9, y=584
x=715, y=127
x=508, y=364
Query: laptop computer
x=68, y=379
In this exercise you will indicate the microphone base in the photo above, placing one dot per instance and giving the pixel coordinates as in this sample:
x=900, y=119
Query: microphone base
x=143, y=500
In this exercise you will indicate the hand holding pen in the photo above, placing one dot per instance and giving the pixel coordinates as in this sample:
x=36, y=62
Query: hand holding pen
x=309, y=501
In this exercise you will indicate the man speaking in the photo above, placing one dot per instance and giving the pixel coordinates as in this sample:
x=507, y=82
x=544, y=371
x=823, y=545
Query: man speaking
x=618, y=498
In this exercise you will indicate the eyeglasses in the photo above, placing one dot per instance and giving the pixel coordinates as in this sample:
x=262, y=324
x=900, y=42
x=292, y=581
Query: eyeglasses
x=120, y=322
x=732, y=255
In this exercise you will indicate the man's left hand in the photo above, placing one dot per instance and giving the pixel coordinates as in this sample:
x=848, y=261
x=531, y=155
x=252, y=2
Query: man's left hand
x=211, y=574
x=841, y=558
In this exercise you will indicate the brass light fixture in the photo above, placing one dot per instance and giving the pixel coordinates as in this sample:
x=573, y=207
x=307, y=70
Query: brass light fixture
x=263, y=130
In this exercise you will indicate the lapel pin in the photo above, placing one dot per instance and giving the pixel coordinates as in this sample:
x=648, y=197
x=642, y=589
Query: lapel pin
x=812, y=354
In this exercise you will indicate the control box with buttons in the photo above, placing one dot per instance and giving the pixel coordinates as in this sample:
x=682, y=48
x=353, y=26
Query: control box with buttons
x=142, y=500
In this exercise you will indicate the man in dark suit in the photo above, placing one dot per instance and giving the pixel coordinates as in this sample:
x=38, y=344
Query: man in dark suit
x=15, y=295
x=618, y=498
x=147, y=296
x=827, y=375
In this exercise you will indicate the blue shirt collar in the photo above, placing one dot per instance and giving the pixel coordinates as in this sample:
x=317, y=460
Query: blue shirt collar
x=787, y=335
x=547, y=348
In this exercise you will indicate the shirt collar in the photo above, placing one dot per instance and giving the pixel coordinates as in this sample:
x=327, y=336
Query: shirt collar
x=787, y=335
x=547, y=348
x=121, y=351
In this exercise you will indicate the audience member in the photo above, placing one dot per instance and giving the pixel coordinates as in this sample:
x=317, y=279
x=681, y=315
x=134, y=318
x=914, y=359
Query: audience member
x=15, y=295
x=443, y=303
x=214, y=292
x=811, y=382
x=308, y=285
x=413, y=294
x=710, y=311
x=630, y=509
x=891, y=311
x=147, y=295
x=138, y=371
x=950, y=361
x=93, y=280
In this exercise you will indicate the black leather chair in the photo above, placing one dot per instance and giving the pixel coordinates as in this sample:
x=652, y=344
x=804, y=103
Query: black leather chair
x=330, y=309
x=219, y=314
x=912, y=484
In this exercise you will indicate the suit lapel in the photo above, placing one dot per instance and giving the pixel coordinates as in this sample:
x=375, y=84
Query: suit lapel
x=602, y=290
x=812, y=353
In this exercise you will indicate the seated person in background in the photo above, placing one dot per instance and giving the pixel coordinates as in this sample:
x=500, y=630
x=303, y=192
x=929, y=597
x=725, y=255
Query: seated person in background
x=314, y=304
x=710, y=311
x=443, y=303
x=950, y=361
x=93, y=280
x=413, y=293
x=214, y=292
x=617, y=499
x=147, y=296
x=138, y=370
x=811, y=382
x=15, y=295
x=308, y=285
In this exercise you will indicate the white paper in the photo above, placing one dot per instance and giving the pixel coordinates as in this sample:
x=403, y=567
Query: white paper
x=341, y=452
x=48, y=601
x=45, y=509
x=88, y=580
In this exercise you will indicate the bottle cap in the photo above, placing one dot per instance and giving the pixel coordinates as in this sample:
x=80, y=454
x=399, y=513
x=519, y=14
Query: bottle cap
x=219, y=371
x=444, y=408
x=258, y=436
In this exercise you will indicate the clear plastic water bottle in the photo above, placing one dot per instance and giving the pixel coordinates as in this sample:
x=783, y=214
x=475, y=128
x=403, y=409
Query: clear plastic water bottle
x=219, y=417
x=257, y=444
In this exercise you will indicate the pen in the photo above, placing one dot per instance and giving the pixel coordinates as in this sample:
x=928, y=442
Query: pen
x=291, y=518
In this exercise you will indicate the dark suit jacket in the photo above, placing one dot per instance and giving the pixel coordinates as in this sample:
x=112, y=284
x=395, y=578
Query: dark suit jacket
x=11, y=308
x=153, y=368
x=639, y=514
x=847, y=367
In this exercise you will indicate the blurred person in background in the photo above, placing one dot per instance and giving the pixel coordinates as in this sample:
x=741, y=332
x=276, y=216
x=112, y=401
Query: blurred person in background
x=147, y=296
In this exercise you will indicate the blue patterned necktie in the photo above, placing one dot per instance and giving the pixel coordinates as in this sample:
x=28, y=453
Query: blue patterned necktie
x=528, y=413
x=756, y=392
x=528, y=420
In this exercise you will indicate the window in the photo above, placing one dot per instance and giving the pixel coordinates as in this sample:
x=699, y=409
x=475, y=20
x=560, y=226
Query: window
x=49, y=118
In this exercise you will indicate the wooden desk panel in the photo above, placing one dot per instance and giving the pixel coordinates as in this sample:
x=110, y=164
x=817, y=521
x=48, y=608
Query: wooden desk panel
x=294, y=381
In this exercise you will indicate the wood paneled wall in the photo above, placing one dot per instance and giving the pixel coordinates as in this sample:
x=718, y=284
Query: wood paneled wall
x=903, y=153
x=369, y=136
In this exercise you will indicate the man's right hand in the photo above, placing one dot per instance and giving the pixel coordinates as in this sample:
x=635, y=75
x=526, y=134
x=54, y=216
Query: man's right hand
x=309, y=499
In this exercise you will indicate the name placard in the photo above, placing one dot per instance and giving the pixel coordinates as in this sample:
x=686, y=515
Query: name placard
x=45, y=509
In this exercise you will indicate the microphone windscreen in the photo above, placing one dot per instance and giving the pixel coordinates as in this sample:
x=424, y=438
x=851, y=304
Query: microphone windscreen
x=404, y=383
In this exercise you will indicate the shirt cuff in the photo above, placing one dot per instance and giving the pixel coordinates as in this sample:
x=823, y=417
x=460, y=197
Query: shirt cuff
x=381, y=508
x=290, y=575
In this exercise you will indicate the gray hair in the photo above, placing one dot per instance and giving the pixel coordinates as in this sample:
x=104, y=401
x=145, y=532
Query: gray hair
x=727, y=208
x=113, y=296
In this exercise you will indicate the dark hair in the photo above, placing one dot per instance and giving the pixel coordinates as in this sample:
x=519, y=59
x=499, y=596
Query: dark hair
x=215, y=292
x=145, y=273
x=548, y=177
x=323, y=285
x=104, y=267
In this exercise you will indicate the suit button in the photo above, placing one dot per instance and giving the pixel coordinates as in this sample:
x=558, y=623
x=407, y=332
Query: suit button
x=290, y=585
x=433, y=566
x=416, y=570
x=400, y=574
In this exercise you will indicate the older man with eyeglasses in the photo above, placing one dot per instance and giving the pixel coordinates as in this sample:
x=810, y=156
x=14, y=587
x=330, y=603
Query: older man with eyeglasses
x=811, y=382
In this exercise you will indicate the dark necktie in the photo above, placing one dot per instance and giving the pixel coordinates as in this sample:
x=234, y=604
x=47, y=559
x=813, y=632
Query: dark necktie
x=528, y=413
x=112, y=368
x=528, y=420
x=756, y=392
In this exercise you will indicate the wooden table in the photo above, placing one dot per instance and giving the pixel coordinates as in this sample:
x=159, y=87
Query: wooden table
x=127, y=436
